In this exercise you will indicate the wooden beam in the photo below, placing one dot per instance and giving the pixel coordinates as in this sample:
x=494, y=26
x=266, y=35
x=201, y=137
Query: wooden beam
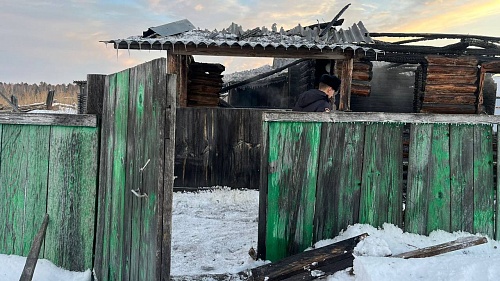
x=260, y=76
x=345, y=86
x=333, y=257
x=413, y=118
x=80, y=120
x=32, y=259
x=458, y=244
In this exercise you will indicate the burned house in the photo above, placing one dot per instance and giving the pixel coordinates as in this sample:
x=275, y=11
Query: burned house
x=378, y=75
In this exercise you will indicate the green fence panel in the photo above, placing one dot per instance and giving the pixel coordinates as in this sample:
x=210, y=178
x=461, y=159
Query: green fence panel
x=439, y=197
x=462, y=177
x=339, y=178
x=24, y=158
x=382, y=183
x=484, y=192
x=293, y=165
x=71, y=197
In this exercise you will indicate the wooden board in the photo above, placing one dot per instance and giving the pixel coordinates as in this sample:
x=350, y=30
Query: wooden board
x=24, y=163
x=71, y=197
x=339, y=178
x=382, y=185
x=293, y=155
x=462, y=172
x=439, y=197
x=484, y=192
x=418, y=177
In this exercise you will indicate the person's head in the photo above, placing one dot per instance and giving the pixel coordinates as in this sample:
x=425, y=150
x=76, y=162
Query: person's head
x=329, y=84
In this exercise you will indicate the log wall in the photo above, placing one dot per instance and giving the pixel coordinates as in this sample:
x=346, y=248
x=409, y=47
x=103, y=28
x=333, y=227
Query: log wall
x=451, y=85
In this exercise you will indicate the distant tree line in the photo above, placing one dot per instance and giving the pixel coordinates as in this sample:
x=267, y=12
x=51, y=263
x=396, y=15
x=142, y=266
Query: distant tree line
x=33, y=93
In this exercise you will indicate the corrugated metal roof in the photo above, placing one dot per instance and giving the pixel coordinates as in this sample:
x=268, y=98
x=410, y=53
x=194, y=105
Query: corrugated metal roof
x=233, y=36
x=169, y=29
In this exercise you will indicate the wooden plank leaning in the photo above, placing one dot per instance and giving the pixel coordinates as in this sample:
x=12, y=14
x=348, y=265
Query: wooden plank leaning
x=458, y=244
x=32, y=259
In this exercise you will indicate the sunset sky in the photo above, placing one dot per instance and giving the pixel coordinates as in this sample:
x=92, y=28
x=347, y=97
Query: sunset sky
x=58, y=41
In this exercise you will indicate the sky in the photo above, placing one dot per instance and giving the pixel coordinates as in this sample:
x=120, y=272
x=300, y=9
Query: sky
x=212, y=232
x=58, y=41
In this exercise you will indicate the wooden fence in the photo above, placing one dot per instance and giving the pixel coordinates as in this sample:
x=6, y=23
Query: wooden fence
x=323, y=172
x=218, y=146
x=48, y=164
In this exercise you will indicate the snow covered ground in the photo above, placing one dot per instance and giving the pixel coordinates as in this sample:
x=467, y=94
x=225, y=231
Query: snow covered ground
x=213, y=231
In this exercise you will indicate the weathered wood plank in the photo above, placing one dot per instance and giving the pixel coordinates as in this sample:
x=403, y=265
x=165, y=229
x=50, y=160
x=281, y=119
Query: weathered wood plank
x=293, y=155
x=439, y=197
x=382, y=184
x=72, y=186
x=195, y=146
x=339, y=178
x=451, y=88
x=168, y=179
x=32, y=259
x=263, y=192
x=497, y=202
x=48, y=119
x=458, y=244
x=457, y=70
x=440, y=108
x=118, y=175
x=462, y=177
x=414, y=118
x=95, y=93
x=456, y=61
x=238, y=147
x=418, y=177
x=450, y=98
x=484, y=192
x=24, y=158
x=345, y=86
x=319, y=258
x=102, y=250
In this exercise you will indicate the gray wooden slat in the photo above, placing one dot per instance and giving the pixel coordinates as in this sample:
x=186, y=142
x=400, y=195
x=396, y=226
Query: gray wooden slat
x=414, y=118
x=416, y=194
x=168, y=177
x=484, y=192
x=95, y=93
x=80, y=120
x=339, y=178
x=462, y=181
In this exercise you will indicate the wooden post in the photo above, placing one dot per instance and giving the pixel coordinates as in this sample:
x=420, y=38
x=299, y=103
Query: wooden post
x=32, y=259
x=345, y=87
x=95, y=93
x=49, y=100
x=179, y=65
x=14, y=100
x=14, y=107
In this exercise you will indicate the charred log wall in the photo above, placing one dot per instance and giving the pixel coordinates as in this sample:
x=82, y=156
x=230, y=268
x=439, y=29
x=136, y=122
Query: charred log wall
x=204, y=84
x=451, y=85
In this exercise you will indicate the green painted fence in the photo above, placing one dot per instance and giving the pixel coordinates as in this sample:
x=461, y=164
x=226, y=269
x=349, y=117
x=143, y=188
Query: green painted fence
x=323, y=172
x=48, y=164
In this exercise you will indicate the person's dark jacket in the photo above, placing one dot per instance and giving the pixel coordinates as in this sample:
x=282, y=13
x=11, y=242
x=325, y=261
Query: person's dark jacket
x=312, y=100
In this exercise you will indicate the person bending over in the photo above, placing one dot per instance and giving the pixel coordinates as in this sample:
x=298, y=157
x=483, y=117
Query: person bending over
x=319, y=100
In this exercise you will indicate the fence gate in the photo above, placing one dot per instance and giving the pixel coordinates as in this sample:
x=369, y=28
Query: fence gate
x=136, y=174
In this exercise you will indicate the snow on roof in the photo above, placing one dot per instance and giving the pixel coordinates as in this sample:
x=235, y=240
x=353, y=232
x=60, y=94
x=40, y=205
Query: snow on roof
x=234, y=36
